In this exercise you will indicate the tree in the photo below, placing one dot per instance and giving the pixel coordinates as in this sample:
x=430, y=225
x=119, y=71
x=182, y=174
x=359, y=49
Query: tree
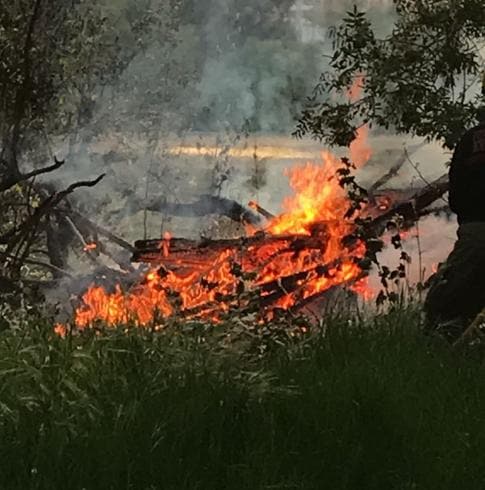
x=422, y=79
x=57, y=60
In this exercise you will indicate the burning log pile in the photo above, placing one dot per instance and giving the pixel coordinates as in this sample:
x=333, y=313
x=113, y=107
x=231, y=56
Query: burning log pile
x=296, y=257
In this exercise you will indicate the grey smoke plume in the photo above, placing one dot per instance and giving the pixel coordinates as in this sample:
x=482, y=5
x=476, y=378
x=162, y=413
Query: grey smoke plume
x=237, y=66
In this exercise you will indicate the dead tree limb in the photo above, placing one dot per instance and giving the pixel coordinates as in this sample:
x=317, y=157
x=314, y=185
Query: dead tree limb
x=412, y=209
x=17, y=179
x=394, y=170
x=204, y=206
x=47, y=265
x=24, y=236
x=104, y=232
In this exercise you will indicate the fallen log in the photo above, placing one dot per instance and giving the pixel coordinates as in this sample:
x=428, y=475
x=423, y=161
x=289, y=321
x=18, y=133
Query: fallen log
x=152, y=251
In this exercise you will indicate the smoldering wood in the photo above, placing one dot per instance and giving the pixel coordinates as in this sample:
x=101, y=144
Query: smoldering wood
x=409, y=205
x=414, y=207
x=103, y=231
x=263, y=212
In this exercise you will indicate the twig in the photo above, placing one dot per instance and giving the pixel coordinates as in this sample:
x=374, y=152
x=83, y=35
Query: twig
x=57, y=164
x=420, y=174
x=23, y=177
x=394, y=170
x=83, y=183
x=254, y=205
x=106, y=233
x=76, y=231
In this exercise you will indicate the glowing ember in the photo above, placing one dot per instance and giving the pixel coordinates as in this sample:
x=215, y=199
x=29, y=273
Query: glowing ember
x=90, y=246
x=60, y=329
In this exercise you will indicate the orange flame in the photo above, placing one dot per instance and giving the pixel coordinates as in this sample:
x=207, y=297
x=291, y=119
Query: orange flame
x=210, y=283
x=166, y=243
x=90, y=246
x=60, y=329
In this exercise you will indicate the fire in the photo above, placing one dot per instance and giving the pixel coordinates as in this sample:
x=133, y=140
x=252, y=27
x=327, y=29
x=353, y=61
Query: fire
x=60, y=330
x=209, y=284
x=318, y=198
x=90, y=246
x=275, y=268
x=167, y=236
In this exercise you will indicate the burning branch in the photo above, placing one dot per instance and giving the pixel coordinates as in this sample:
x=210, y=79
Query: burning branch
x=104, y=232
x=266, y=214
x=413, y=208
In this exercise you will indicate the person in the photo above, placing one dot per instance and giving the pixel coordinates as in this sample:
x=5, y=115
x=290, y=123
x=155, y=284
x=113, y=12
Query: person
x=457, y=292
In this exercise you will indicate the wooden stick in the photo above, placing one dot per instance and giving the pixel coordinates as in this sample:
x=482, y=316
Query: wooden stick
x=254, y=205
x=106, y=233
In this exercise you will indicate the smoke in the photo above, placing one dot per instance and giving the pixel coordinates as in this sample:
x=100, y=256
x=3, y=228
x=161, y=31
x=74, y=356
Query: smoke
x=235, y=69
x=256, y=71
x=262, y=60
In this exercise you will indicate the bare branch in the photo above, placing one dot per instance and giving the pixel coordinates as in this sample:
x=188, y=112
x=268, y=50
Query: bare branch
x=45, y=265
x=106, y=233
x=394, y=170
x=7, y=184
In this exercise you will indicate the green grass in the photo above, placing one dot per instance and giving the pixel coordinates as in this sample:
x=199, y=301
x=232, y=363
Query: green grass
x=366, y=405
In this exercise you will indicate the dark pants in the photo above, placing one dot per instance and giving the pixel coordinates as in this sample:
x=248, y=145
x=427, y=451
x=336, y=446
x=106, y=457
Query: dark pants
x=457, y=292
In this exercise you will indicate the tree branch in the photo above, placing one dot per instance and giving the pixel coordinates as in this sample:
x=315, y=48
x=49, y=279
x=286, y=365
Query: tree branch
x=13, y=180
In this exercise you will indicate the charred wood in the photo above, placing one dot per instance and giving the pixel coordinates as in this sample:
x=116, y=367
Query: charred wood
x=413, y=208
x=204, y=206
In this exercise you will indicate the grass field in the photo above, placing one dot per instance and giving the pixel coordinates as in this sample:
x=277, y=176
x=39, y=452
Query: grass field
x=355, y=404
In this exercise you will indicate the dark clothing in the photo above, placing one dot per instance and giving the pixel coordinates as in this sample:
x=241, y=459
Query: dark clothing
x=457, y=293
x=467, y=177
